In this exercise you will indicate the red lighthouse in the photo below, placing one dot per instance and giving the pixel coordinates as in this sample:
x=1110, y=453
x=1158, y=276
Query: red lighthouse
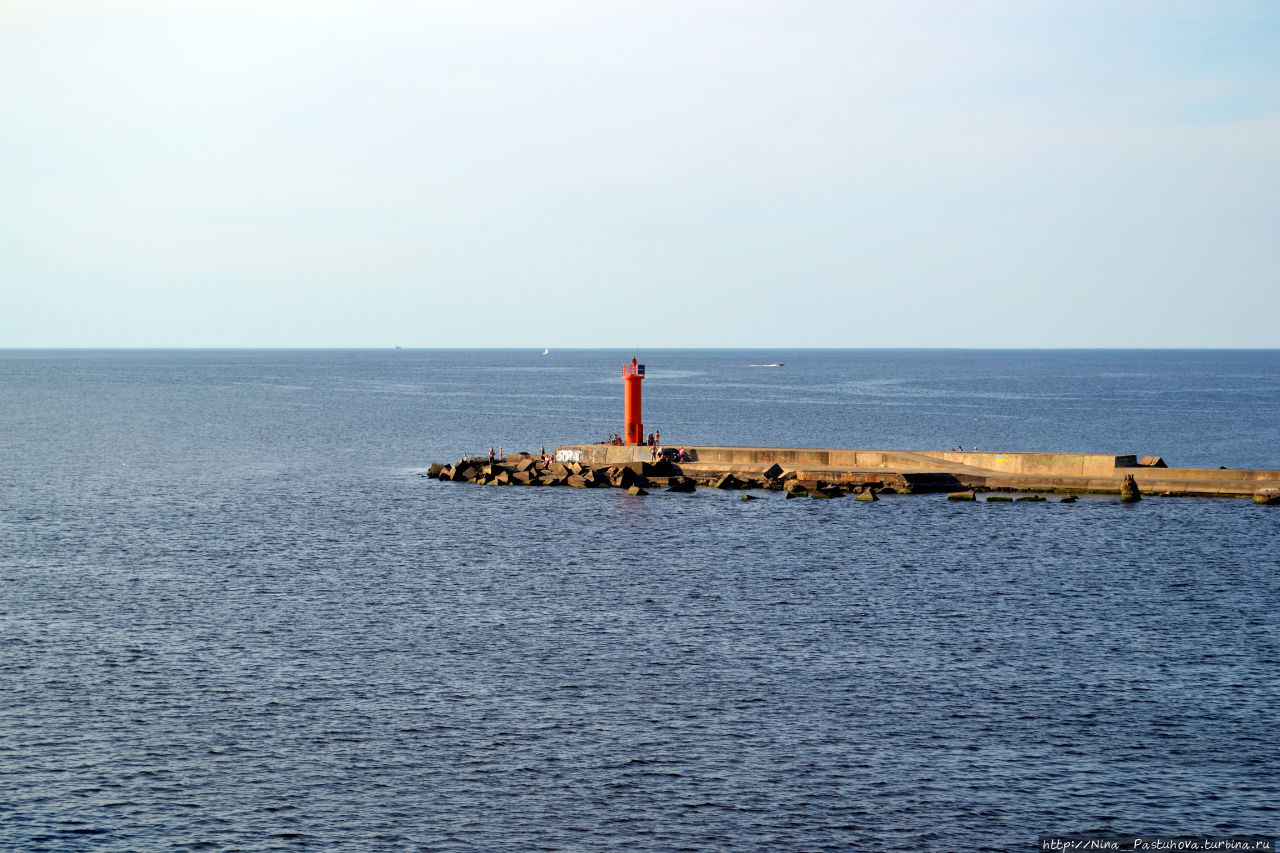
x=632, y=376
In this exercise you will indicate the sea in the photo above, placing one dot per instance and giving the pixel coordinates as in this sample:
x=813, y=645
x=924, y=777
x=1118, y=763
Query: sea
x=236, y=615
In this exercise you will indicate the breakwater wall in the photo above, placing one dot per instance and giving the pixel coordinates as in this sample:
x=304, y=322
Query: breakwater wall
x=936, y=470
x=832, y=472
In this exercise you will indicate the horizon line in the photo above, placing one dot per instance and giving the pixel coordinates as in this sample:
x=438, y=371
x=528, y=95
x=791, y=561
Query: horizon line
x=397, y=348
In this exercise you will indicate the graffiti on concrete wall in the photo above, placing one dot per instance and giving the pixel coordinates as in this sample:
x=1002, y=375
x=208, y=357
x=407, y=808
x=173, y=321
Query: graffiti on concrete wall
x=568, y=455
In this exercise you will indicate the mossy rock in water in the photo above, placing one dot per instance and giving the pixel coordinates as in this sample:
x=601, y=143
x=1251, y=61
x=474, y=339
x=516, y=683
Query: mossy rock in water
x=962, y=496
x=1031, y=498
x=748, y=497
x=636, y=490
x=867, y=495
x=799, y=494
x=1129, y=490
x=999, y=499
x=1069, y=499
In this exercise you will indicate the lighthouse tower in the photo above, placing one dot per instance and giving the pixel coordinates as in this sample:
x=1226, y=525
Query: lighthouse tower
x=632, y=376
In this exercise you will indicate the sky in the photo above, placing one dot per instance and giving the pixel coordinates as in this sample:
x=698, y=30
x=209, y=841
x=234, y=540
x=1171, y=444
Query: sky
x=695, y=173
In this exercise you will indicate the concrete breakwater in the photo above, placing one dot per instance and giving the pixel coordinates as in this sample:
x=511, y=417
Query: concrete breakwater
x=524, y=469
x=829, y=472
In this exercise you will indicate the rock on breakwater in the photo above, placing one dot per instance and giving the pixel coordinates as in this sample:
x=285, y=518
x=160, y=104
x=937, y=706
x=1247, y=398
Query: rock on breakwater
x=525, y=469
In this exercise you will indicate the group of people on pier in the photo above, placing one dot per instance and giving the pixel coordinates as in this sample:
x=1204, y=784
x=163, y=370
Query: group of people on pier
x=616, y=440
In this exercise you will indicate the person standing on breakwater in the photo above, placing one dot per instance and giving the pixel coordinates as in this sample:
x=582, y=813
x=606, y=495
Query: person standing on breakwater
x=491, y=454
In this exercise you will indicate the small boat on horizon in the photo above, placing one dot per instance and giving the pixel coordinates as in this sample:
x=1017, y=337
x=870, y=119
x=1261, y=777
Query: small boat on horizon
x=546, y=351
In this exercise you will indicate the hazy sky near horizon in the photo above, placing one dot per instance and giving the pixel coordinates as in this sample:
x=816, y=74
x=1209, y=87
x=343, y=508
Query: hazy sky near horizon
x=989, y=173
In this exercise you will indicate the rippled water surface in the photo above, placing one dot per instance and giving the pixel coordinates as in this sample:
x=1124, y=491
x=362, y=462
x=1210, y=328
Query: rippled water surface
x=234, y=615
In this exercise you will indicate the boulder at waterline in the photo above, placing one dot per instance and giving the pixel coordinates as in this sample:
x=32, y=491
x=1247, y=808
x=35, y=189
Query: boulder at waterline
x=1129, y=490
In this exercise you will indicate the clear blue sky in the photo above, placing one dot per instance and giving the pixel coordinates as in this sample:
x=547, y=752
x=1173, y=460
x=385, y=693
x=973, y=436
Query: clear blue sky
x=986, y=173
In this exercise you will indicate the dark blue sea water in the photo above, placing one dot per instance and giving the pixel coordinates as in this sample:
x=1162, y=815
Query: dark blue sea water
x=234, y=615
